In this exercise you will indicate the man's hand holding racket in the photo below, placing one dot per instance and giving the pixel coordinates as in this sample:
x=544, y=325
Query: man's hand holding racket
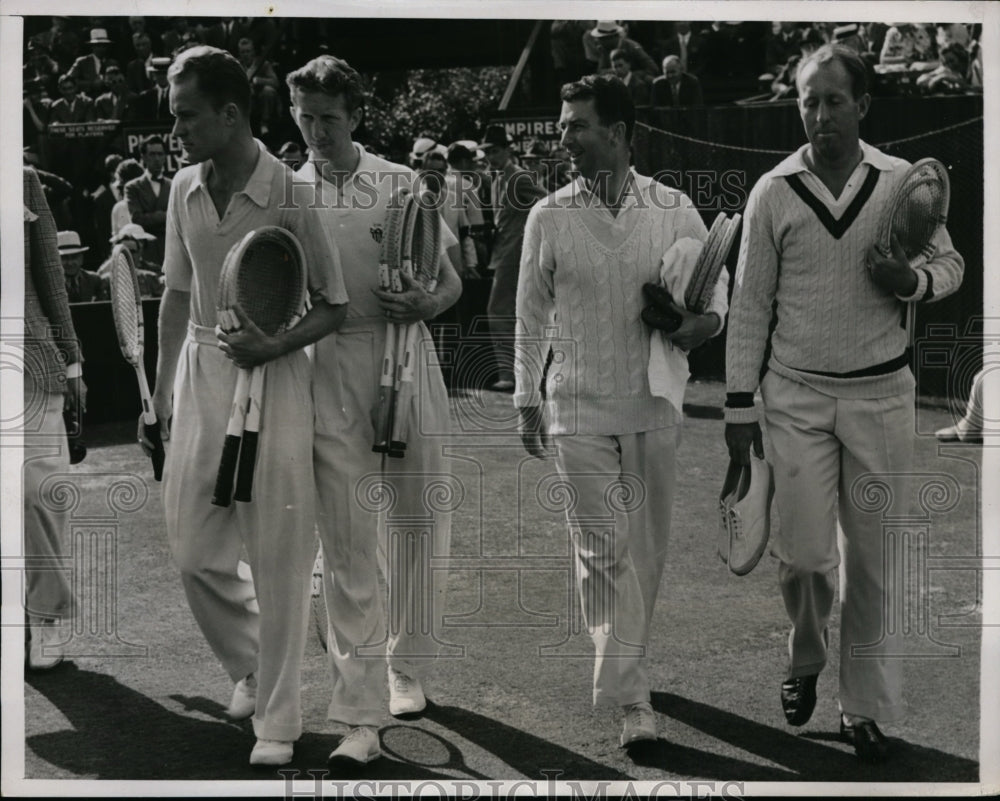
x=536, y=442
x=248, y=346
x=892, y=273
x=663, y=313
x=414, y=304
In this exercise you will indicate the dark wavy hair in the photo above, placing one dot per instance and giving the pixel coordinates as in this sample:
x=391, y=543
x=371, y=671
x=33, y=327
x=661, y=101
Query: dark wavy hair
x=331, y=76
x=612, y=100
x=220, y=76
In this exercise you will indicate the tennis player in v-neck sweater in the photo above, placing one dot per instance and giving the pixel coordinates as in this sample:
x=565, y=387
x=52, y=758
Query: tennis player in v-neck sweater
x=838, y=393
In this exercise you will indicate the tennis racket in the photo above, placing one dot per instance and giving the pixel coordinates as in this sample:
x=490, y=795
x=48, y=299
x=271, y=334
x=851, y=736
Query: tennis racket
x=917, y=210
x=421, y=262
x=126, y=307
x=390, y=263
x=264, y=276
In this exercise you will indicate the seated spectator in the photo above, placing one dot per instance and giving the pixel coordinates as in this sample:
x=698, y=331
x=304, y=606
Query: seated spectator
x=82, y=286
x=114, y=103
x=134, y=238
x=607, y=36
x=906, y=43
x=61, y=41
x=949, y=77
x=292, y=155
x=72, y=106
x=675, y=87
x=124, y=172
x=784, y=83
x=781, y=45
x=265, y=102
x=639, y=83
x=154, y=104
x=137, y=71
x=88, y=71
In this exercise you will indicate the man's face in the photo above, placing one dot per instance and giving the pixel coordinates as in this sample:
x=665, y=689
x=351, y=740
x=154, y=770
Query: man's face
x=100, y=50
x=202, y=130
x=435, y=162
x=143, y=47
x=115, y=81
x=609, y=43
x=68, y=90
x=246, y=53
x=831, y=115
x=589, y=142
x=154, y=158
x=71, y=263
x=324, y=121
x=292, y=157
x=672, y=72
x=496, y=156
x=620, y=66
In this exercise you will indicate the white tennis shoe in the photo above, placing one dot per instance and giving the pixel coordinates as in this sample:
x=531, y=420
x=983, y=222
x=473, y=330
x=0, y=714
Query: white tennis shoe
x=359, y=746
x=271, y=752
x=406, y=696
x=640, y=724
x=746, y=514
x=244, y=700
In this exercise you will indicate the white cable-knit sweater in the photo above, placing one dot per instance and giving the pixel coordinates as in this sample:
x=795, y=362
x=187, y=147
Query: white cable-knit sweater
x=831, y=316
x=580, y=292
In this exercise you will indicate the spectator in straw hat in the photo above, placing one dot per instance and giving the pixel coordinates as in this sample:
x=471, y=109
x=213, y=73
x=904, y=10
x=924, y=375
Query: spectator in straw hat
x=423, y=146
x=132, y=237
x=607, y=36
x=89, y=70
x=82, y=285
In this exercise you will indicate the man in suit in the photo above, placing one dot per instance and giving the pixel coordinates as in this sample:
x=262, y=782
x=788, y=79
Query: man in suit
x=265, y=101
x=639, y=83
x=607, y=36
x=72, y=106
x=88, y=70
x=154, y=104
x=514, y=193
x=113, y=104
x=137, y=70
x=676, y=87
x=82, y=286
x=147, y=196
x=226, y=34
x=686, y=45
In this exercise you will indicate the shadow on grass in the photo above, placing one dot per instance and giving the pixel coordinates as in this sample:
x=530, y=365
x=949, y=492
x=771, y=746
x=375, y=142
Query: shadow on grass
x=803, y=757
x=117, y=733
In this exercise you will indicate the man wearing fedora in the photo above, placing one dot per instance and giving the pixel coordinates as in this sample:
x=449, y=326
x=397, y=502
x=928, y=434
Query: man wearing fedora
x=514, y=192
x=606, y=37
x=82, y=286
x=148, y=194
x=153, y=105
x=89, y=70
x=114, y=103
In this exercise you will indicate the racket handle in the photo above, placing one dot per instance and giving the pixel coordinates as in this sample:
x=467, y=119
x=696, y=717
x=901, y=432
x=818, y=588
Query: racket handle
x=152, y=433
x=248, y=461
x=383, y=419
x=227, y=465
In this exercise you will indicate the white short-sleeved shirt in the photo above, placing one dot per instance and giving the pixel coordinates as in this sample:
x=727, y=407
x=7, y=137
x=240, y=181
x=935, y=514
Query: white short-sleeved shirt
x=197, y=241
x=355, y=215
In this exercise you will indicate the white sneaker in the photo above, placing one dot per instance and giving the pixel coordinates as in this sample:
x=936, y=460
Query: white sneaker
x=406, y=696
x=45, y=648
x=640, y=724
x=271, y=752
x=244, y=700
x=359, y=746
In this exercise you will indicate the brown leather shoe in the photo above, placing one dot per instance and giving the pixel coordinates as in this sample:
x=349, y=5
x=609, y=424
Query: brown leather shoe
x=798, y=699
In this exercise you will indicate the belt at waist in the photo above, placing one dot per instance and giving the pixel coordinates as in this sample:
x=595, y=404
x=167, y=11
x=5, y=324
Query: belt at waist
x=202, y=334
x=355, y=324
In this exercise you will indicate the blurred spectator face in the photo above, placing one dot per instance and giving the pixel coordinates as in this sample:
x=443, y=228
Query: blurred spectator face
x=143, y=46
x=621, y=67
x=67, y=89
x=114, y=80
x=786, y=27
x=159, y=77
x=72, y=263
x=154, y=158
x=435, y=162
x=137, y=24
x=682, y=27
x=830, y=113
x=292, y=156
x=496, y=157
x=672, y=69
x=247, y=53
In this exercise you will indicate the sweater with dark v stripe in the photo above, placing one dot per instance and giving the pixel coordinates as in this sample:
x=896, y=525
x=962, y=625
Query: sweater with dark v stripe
x=836, y=330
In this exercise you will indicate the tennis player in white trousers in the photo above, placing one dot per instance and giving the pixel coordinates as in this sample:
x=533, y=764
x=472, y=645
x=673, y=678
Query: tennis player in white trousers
x=234, y=186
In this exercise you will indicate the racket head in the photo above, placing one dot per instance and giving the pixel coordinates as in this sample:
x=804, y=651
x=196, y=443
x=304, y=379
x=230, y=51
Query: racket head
x=425, y=243
x=264, y=275
x=918, y=209
x=126, y=304
x=395, y=217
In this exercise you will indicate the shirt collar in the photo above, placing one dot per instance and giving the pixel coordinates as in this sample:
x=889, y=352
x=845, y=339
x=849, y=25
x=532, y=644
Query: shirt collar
x=258, y=187
x=637, y=185
x=796, y=162
x=365, y=174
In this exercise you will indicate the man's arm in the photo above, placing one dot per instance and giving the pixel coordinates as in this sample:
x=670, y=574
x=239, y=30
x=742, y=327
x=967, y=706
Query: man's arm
x=172, y=329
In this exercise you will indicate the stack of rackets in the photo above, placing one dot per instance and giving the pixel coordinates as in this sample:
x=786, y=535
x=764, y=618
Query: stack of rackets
x=264, y=275
x=704, y=275
x=916, y=212
x=411, y=246
x=126, y=307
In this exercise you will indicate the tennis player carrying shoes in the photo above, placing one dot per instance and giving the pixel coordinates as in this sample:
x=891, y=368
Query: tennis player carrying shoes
x=234, y=186
x=838, y=394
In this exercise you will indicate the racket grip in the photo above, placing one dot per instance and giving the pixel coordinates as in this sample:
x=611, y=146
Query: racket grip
x=383, y=420
x=227, y=466
x=152, y=433
x=248, y=461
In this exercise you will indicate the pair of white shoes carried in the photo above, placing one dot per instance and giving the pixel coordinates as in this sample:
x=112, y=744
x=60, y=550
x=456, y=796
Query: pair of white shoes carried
x=358, y=747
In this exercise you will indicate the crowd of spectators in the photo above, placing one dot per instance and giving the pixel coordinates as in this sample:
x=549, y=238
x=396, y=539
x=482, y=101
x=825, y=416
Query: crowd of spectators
x=113, y=69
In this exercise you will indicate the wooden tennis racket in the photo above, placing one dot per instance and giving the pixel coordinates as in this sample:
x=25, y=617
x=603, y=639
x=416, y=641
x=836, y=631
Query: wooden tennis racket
x=263, y=276
x=126, y=308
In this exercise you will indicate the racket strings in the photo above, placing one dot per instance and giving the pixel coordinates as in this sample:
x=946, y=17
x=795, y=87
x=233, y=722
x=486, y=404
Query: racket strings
x=918, y=215
x=269, y=284
x=125, y=302
x=426, y=246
